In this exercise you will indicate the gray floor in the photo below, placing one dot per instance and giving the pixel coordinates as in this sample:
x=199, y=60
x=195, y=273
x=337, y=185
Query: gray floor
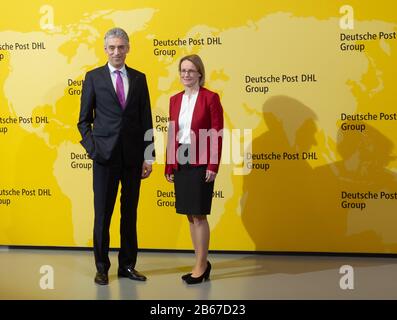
x=234, y=276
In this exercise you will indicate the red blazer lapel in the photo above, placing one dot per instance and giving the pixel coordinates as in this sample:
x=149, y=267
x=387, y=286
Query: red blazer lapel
x=176, y=109
x=198, y=109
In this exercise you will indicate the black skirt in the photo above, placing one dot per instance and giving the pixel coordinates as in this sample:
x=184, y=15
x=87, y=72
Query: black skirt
x=193, y=196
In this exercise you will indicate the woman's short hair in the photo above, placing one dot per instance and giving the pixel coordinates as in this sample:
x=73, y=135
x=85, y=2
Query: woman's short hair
x=198, y=63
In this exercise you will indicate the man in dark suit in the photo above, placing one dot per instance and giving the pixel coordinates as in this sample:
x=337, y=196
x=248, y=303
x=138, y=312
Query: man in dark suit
x=116, y=128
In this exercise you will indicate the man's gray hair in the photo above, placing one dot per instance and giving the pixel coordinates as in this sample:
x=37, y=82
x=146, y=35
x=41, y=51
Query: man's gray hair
x=117, y=33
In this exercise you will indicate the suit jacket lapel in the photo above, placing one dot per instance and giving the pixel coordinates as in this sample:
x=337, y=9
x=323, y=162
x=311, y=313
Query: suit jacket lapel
x=131, y=81
x=109, y=83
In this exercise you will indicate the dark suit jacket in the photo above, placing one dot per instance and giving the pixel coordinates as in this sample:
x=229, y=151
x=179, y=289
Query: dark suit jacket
x=103, y=122
x=207, y=114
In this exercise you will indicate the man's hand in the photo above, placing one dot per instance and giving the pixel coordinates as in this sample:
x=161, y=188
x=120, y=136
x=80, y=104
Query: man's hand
x=146, y=170
x=210, y=176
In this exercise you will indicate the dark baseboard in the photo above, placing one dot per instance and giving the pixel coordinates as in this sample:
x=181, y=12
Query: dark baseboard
x=278, y=253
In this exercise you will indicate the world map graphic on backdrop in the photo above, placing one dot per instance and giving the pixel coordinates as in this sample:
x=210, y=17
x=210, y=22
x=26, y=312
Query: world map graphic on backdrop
x=313, y=169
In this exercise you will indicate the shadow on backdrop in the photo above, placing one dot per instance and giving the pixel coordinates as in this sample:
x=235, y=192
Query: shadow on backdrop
x=276, y=203
x=370, y=228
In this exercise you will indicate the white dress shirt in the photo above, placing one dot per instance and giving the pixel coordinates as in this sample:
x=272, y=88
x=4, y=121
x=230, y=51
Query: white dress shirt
x=123, y=73
x=185, y=117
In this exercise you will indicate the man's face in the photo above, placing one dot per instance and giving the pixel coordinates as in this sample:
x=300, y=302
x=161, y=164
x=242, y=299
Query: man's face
x=116, y=49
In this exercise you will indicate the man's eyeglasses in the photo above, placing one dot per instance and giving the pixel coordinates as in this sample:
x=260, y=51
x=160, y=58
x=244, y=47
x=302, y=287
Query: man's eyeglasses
x=188, y=72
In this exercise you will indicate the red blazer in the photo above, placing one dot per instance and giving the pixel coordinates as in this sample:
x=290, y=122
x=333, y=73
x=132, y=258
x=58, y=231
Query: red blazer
x=207, y=115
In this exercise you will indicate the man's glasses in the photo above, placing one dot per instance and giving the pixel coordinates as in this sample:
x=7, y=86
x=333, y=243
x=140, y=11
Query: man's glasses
x=188, y=72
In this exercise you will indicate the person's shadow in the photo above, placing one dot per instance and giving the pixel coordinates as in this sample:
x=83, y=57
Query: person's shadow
x=361, y=169
x=276, y=203
x=256, y=266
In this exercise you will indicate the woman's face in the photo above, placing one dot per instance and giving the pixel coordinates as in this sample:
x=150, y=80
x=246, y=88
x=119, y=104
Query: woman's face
x=189, y=74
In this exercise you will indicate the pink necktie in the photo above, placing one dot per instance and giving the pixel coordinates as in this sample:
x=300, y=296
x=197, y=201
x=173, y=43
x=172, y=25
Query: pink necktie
x=120, y=88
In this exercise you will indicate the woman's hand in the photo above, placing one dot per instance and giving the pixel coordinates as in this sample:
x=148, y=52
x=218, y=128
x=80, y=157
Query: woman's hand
x=169, y=177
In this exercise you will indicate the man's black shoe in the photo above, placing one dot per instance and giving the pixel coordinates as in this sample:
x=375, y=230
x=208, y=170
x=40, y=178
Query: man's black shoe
x=101, y=278
x=131, y=273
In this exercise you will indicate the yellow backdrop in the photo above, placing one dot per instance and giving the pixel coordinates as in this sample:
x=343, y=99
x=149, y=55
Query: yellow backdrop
x=309, y=97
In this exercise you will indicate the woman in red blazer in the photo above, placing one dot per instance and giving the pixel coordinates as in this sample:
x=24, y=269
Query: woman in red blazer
x=193, y=156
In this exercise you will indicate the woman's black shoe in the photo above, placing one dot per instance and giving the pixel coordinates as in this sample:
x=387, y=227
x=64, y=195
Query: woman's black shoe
x=204, y=277
x=185, y=276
